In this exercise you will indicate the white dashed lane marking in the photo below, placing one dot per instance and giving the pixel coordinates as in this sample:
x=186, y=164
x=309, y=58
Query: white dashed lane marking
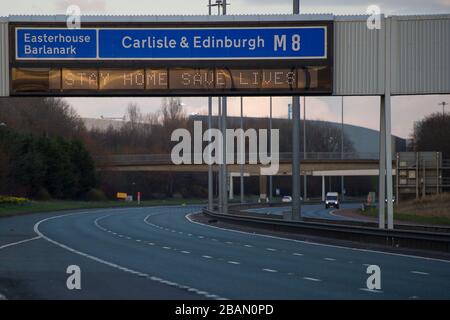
x=271, y=249
x=233, y=262
x=329, y=259
x=207, y=257
x=371, y=290
x=113, y=265
x=297, y=254
x=420, y=272
x=270, y=270
x=312, y=279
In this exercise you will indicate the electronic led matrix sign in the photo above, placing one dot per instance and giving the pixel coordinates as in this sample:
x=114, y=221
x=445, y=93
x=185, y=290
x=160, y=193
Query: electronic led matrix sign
x=183, y=59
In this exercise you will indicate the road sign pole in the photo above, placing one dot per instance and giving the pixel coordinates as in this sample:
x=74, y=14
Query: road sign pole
x=220, y=174
x=387, y=119
x=305, y=176
x=342, y=145
x=224, y=131
x=382, y=165
x=224, y=148
x=270, y=146
x=242, y=165
x=296, y=206
x=210, y=168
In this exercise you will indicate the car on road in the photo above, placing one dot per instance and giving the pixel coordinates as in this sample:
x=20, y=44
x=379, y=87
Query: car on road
x=332, y=200
x=286, y=199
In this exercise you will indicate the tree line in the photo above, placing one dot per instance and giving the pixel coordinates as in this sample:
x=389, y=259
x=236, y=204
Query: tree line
x=42, y=150
x=45, y=148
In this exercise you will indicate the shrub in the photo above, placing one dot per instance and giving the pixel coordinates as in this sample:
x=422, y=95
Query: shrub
x=96, y=195
x=4, y=200
x=43, y=195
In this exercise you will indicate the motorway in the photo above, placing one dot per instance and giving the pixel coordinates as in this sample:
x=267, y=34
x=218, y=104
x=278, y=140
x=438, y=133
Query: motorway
x=316, y=211
x=159, y=253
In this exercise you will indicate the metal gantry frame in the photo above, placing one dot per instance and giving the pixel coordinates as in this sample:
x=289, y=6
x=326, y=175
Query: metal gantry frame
x=385, y=163
x=296, y=205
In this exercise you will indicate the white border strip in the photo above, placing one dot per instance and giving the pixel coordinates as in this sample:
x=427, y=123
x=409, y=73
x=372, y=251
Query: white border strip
x=98, y=58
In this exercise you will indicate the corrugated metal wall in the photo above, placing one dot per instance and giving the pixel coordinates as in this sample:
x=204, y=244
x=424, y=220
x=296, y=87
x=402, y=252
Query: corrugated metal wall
x=358, y=57
x=421, y=54
x=4, y=63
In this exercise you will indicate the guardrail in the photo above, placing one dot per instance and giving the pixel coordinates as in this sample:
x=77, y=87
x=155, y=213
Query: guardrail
x=237, y=209
x=424, y=240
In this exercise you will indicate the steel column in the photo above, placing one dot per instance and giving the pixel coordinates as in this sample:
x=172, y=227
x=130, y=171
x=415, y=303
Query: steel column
x=296, y=206
x=382, y=176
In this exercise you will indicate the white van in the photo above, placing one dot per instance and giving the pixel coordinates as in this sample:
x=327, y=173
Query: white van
x=332, y=200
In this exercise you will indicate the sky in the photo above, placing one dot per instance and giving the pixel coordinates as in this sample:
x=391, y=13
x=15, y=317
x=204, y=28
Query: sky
x=362, y=111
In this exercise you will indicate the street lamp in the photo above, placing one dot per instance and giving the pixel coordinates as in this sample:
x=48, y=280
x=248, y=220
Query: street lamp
x=219, y=4
x=443, y=104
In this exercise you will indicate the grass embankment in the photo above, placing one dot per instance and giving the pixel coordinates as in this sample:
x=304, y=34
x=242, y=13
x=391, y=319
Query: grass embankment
x=59, y=205
x=429, y=210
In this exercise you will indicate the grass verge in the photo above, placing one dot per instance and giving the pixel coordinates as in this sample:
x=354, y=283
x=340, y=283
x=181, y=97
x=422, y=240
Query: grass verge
x=59, y=205
x=418, y=218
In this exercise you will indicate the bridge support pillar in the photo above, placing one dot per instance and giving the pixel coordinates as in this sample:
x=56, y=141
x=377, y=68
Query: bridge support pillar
x=231, y=197
x=323, y=188
x=262, y=188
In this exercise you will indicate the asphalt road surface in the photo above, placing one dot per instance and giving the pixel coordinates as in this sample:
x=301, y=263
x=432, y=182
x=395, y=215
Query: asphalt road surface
x=158, y=253
x=317, y=211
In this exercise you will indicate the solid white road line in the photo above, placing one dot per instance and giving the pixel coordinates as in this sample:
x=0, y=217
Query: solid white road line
x=18, y=242
x=317, y=244
x=105, y=262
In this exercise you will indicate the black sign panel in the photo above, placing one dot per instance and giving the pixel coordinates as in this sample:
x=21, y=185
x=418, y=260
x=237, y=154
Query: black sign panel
x=270, y=58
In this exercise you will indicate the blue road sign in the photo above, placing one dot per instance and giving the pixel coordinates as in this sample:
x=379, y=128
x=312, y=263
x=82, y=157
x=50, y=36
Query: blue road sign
x=173, y=43
x=37, y=43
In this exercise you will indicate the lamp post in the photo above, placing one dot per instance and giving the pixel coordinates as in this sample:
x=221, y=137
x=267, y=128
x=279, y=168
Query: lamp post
x=443, y=104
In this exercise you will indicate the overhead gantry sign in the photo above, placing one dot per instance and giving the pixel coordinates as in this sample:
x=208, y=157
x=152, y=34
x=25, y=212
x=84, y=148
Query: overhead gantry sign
x=251, y=58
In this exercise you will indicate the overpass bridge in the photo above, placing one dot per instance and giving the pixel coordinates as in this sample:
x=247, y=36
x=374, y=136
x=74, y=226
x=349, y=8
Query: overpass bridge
x=323, y=164
x=312, y=163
